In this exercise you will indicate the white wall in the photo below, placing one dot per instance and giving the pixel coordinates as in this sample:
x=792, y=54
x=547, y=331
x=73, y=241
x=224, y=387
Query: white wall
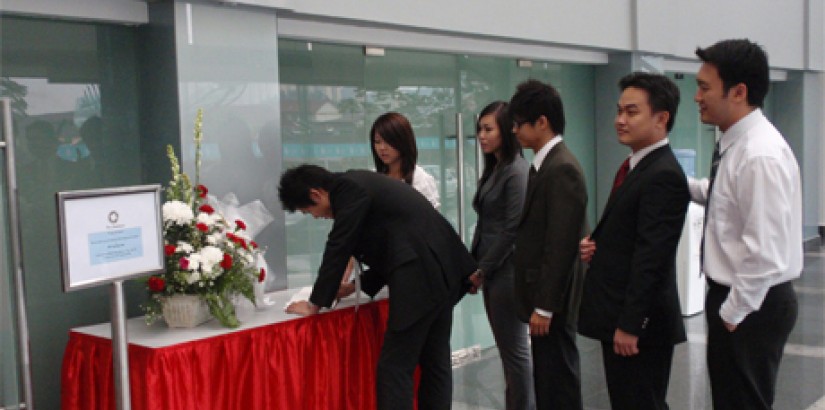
x=816, y=33
x=596, y=23
x=677, y=28
x=790, y=30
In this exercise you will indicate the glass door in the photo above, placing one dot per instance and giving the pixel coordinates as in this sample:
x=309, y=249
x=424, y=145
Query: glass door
x=74, y=91
x=430, y=89
x=331, y=94
x=323, y=105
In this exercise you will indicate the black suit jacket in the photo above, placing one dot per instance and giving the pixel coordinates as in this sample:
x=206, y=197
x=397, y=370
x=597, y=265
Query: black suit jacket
x=548, y=274
x=387, y=224
x=631, y=281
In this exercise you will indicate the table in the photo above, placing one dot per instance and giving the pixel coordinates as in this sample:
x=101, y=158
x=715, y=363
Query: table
x=273, y=361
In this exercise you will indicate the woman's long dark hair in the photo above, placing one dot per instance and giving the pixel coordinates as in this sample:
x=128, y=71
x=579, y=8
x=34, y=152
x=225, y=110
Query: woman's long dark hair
x=396, y=131
x=510, y=146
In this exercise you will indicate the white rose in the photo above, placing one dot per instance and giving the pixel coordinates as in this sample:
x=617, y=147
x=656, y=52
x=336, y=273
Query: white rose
x=193, y=277
x=205, y=218
x=177, y=212
x=184, y=247
x=210, y=256
x=214, y=239
x=194, y=262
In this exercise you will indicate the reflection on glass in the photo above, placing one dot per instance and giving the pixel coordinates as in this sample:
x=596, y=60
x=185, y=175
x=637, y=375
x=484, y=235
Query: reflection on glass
x=74, y=99
x=331, y=94
x=230, y=71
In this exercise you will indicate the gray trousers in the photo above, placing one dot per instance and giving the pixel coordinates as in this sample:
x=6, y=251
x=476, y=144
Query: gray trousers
x=512, y=340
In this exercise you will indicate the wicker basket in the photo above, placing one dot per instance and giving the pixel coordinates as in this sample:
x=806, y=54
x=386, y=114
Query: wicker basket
x=185, y=311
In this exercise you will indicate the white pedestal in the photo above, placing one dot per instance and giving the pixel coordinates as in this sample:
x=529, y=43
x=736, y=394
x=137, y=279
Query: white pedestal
x=690, y=280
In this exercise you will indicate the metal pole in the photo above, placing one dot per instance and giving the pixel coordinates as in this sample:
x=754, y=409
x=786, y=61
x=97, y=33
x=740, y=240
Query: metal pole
x=459, y=142
x=119, y=349
x=479, y=154
x=17, y=255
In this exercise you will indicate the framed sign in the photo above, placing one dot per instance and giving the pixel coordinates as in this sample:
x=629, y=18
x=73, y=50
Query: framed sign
x=109, y=234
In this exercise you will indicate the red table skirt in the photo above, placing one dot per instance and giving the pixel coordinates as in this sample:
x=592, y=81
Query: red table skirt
x=322, y=362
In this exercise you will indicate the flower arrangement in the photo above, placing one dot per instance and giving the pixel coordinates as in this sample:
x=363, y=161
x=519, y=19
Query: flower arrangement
x=205, y=255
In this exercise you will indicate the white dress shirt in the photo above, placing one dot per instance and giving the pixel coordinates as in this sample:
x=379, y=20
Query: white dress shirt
x=542, y=153
x=637, y=156
x=753, y=234
x=537, y=160
x=425, y=184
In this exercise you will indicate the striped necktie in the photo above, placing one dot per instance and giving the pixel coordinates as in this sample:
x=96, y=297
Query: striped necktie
x=714, y=166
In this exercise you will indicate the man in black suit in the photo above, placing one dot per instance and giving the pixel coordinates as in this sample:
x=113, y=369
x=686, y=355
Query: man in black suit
x=630, y=301
x=548, y=275
x=410, y=248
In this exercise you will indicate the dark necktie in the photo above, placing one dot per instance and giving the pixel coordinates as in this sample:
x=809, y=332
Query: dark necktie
x=621, y=174
x=532, y=173
x=714, y=166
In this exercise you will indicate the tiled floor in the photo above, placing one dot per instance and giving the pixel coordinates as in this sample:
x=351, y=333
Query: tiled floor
x=480, y=385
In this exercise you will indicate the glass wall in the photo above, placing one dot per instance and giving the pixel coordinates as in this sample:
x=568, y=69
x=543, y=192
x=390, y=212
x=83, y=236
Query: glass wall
x=237, y=90
x=74, y=93
x=691, y=140
x=331, y=94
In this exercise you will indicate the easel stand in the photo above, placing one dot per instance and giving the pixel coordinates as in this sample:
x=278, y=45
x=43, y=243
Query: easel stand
x=120, y=351
x=107, y=236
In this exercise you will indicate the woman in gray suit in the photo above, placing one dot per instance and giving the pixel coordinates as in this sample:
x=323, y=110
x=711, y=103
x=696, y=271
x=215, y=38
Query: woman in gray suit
x=498, y=202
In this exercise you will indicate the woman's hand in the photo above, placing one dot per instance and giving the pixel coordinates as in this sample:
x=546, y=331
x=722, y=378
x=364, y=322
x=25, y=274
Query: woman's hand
x=345, y=290
x=477, y=280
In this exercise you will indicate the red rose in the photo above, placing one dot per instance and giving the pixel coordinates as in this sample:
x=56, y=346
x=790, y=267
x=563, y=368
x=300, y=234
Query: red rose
x=241, y=242
x=183, y=263
x=262, y=275
x=156, y=284
x=202, y=191
x=240, y=224
x=253, y=244
x=202, y=227
x=231, y=236
x=169, y=250
x=226, y=263
x=206, y=208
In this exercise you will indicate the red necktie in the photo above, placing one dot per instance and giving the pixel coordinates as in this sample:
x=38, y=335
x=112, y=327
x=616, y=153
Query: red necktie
x=621, y=174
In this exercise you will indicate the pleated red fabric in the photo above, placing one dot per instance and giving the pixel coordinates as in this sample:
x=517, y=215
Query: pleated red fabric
x=326, y=361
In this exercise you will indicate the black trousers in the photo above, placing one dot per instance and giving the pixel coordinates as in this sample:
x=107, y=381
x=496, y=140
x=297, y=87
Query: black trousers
x=556, y=367
x=638, y=382
x=743, y=364
x=426, y=342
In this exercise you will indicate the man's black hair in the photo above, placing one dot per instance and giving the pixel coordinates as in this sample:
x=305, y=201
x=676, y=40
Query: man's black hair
x=662, y=92
x=296, y=182
x=740, y=62
x=533, y=99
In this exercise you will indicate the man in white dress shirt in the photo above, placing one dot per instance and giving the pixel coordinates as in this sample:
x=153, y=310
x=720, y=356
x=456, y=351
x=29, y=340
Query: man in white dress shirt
x=752, y=245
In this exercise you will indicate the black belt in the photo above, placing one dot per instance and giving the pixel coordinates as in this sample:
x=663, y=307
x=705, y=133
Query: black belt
x=712, y=284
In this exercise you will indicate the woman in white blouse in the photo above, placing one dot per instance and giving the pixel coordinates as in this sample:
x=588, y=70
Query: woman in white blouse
x=395, y=154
